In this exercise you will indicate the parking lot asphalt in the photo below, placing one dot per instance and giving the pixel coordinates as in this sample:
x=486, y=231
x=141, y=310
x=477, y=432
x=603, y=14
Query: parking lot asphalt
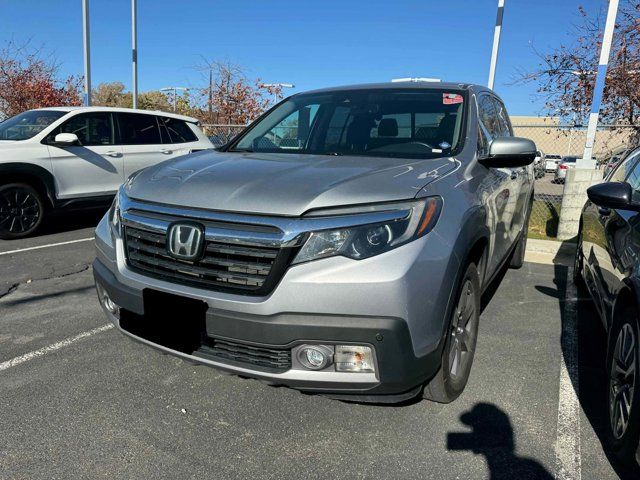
x=79, y=400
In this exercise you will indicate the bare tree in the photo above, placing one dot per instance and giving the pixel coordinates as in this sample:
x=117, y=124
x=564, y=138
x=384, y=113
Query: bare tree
x=566, y=75
x=230, y=97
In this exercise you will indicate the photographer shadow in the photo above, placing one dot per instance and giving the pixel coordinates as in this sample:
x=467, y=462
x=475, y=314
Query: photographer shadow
x=492, y=437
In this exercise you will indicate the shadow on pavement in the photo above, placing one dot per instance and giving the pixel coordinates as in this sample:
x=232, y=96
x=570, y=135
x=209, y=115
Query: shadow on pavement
x=592, y=340
x=492, y=436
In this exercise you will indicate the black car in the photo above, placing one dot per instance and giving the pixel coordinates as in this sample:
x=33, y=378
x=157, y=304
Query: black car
x=608, y=260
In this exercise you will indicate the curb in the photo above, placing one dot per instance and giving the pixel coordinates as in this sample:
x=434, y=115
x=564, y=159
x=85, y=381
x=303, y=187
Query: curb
x=549, y=252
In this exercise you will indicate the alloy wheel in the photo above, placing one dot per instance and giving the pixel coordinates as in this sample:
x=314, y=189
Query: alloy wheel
x=622, y=380
x=460, y=351
x=20, y=210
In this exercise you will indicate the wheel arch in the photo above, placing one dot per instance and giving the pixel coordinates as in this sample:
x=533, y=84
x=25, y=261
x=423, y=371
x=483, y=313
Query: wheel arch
x=36, y=176
x=472, y=243
x=628, y=294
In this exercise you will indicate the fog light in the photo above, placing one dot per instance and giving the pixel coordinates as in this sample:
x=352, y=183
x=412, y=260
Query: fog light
x=353, y=358
x=108, y=304
x=314, y=357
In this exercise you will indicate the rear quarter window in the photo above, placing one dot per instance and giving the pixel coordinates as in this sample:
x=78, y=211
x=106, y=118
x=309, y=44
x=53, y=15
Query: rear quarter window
x=179, y=131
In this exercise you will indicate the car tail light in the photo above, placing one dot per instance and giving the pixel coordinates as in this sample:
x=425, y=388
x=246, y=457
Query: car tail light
x=563, y=167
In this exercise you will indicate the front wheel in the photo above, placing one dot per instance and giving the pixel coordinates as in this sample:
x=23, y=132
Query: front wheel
x=623, y=364
x=460, y=342
x=21, y=210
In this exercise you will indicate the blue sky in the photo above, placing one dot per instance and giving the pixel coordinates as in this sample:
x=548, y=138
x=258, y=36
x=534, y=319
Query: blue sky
x=311, y=44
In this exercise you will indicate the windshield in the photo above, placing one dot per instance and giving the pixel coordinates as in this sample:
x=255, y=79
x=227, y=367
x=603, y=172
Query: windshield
x=406, y=123
x=28, y=124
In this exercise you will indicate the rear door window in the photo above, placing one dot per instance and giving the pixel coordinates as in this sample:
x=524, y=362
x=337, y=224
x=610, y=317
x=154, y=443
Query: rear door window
x=138, y=129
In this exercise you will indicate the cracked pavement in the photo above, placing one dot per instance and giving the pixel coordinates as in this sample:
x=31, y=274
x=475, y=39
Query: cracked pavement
x=107, y=407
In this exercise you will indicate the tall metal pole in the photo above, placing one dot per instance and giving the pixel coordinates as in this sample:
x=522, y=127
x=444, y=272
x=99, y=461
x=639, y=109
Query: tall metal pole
x=496, y=44
x=586, y=161
x=87, y=54
x=134, y=50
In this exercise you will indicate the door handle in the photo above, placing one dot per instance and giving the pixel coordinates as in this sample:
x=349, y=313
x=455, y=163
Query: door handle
x=112, y=153
x=165, y=151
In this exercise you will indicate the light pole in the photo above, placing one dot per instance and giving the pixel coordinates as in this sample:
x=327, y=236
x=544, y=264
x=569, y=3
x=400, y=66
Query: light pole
x=134, y=50
x=276, y=85
x=87, y=53
x=175, y=94
x=496, y=44
x=586, y=161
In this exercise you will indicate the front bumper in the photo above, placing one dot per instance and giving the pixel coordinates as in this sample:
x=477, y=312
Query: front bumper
x=399, y=373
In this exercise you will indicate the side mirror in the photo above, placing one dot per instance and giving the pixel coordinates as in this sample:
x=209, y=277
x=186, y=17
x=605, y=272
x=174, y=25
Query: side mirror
x=505, y=152
x=66, y=139
x=613, y=195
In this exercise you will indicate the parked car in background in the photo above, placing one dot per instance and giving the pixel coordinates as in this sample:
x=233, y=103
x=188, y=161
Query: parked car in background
x=76, y=157
x=551, y=162
x=539, y=164
x=565, y=164
x=346, y=256
x=608, y=262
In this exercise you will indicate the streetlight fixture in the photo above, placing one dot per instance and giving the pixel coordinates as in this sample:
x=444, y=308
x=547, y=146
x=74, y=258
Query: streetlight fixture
x=275, y=85
x=175, y=94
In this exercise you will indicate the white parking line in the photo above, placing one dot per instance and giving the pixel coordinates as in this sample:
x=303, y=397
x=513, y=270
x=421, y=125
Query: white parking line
x=568, y=460
x=53, y=347
x=46, y=246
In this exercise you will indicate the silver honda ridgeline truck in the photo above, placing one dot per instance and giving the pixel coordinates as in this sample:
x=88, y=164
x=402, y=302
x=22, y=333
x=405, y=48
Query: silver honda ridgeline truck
x=339, y=245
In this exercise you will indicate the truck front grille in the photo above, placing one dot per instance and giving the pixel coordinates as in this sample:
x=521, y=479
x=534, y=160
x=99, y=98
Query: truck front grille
x=223, y=266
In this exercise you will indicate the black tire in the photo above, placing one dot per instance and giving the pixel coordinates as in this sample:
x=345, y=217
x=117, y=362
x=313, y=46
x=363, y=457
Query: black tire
x=21, y=210
x=517, y=257
x=624, y=439
x=460, y=341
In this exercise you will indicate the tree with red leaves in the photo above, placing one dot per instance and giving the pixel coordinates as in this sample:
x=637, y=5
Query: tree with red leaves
x=566, y=76
x=27, y=81
x=230, y=96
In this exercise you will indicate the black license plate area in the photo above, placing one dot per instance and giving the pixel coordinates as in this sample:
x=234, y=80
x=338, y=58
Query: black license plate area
x=173, y=321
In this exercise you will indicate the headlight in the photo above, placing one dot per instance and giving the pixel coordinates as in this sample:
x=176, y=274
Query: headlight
x=368, y=240
x=114, y=214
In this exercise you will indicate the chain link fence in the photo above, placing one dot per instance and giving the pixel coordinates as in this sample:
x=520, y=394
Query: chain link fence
x=555, y=142
x=219, y=134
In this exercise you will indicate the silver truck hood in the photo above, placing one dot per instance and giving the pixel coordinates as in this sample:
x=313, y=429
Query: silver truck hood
x=282, y=184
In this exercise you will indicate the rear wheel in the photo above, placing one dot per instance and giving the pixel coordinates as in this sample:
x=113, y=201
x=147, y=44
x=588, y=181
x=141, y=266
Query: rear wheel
x=21, y=210
x=623, y=366
x=460, y=342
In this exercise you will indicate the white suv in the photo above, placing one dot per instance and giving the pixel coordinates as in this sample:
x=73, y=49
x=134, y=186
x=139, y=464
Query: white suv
x=77, y=157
